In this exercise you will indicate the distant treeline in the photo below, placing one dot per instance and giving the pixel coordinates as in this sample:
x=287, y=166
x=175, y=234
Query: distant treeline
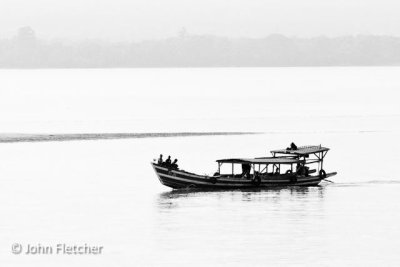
x=26, y=51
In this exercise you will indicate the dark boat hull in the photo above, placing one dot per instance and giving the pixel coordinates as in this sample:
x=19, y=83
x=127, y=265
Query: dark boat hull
x=178, y=179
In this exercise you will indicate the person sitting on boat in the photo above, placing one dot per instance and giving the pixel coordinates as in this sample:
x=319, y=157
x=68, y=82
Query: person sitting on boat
x=160, y=160
x=293, y=146
x=168, y=162
x=300, y=169
x=174, y=164
x=246, y=168
x=306, y=171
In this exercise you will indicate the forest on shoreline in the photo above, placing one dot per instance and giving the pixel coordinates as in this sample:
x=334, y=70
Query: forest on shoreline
x=25, y=50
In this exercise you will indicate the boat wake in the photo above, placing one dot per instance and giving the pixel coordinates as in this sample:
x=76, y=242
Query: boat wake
x=372, y=182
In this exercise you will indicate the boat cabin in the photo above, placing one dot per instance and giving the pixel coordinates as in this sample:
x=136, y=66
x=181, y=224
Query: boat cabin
x=310, y=154
x=283, y=162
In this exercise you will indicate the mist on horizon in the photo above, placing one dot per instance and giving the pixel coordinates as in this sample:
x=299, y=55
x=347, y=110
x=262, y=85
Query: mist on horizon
x=208, y=33
x=138, y=20
x=26, y=50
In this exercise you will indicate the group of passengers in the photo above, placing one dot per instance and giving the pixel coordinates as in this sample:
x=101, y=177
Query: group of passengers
x=300, y=170
x=246, y=171
x=168, y=163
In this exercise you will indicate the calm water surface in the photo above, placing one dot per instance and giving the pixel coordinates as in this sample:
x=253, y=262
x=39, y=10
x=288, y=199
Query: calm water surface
x=106, y=193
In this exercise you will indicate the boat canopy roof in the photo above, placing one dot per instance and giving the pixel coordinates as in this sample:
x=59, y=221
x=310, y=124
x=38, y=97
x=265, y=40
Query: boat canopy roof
x=302, y=150
x=270, y=160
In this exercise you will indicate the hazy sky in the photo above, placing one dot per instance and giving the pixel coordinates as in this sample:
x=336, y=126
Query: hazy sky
x=116, y=20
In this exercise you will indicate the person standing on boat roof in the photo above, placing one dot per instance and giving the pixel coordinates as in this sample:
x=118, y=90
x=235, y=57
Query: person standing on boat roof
x=168, y=161
x=160, y=160
x=175, y=164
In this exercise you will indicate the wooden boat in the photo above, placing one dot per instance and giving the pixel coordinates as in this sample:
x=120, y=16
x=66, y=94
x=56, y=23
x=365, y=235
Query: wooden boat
x=286, y=167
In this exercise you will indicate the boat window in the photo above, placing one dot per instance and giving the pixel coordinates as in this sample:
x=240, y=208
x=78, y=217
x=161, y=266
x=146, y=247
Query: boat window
x=238, y=169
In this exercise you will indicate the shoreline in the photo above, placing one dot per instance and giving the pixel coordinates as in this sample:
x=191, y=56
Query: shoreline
x=16, y=138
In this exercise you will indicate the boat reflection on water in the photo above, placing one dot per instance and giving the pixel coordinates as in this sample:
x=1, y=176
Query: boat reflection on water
x=171, y=199
x=244, y=225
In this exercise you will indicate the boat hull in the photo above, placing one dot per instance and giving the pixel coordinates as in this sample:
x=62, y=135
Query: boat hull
x=179, y=179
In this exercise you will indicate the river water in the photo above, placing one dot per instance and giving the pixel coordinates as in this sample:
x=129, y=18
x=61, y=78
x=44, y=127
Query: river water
x=105, y=192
